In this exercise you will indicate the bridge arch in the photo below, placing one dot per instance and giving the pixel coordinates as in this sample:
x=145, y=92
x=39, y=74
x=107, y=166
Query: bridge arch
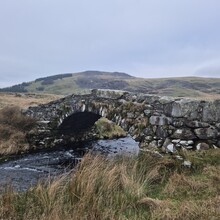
x=153, y=121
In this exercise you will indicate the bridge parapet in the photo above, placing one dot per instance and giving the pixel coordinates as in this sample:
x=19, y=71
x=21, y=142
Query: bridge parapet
x=164, y=122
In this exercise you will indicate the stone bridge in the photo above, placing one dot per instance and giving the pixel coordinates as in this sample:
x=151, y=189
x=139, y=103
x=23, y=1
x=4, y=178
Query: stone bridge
x=164, y=122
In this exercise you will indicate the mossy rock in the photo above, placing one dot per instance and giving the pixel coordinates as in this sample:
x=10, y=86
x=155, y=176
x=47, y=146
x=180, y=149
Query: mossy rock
x=108, y=129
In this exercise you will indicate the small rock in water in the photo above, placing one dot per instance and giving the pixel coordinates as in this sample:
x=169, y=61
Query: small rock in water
x=17, y=166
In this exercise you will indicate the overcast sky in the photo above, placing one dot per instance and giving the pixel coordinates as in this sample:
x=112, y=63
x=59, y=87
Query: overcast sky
x=147, y=38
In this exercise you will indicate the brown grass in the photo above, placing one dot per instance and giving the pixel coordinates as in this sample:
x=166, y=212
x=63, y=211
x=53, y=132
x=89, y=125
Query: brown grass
x=24, y=100
x=123, y=188
x=14, y=127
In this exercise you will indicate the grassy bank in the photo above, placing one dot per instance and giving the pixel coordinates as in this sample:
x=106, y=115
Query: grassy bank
x=145, y=187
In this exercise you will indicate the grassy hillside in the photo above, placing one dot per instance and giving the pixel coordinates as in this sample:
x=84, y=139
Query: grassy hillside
x=65, y=84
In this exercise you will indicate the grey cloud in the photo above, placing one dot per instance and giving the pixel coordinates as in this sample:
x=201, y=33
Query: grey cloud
x=40, y=38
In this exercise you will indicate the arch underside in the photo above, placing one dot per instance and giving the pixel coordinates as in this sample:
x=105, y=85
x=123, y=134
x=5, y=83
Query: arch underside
x=77, y=123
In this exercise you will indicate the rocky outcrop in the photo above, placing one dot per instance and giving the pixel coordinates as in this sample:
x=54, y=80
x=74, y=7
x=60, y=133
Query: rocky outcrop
x=164, y=122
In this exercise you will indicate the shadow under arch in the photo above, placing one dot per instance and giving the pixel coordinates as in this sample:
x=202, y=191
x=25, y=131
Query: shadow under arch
x=77, y=123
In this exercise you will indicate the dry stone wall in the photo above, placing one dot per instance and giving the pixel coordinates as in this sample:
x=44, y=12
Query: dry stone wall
x=156, y=122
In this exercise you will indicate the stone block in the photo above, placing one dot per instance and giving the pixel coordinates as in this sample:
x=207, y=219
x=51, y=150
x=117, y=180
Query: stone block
x=183, y=133
x=206, y=133
x=197, y=124
x=202, y=146
x=160, y=120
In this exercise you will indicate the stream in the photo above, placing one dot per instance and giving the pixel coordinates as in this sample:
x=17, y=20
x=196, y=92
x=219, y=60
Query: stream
x=24, y=171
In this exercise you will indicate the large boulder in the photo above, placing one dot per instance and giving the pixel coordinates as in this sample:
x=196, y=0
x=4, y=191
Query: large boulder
x=211, y=112
x=182, y=108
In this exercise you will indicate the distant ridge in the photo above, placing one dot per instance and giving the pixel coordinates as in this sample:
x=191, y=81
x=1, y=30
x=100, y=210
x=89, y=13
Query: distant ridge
x=82, y=82
x=100, y=73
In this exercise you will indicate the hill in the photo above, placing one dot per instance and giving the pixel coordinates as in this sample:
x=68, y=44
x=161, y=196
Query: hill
x=64, y=84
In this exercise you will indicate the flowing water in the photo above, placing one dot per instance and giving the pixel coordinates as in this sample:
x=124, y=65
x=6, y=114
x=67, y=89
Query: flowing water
x=26, y=170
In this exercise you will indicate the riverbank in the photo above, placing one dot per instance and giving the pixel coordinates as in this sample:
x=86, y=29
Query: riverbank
x=142, y=187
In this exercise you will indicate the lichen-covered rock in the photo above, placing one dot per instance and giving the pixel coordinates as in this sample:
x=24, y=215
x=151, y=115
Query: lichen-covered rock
x=211, y=111
x=206, y=133
x=182, y=108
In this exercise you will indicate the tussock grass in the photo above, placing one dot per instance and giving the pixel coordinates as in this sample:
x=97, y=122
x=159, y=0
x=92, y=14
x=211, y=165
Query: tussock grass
x=13, y=129
x=144, y=187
